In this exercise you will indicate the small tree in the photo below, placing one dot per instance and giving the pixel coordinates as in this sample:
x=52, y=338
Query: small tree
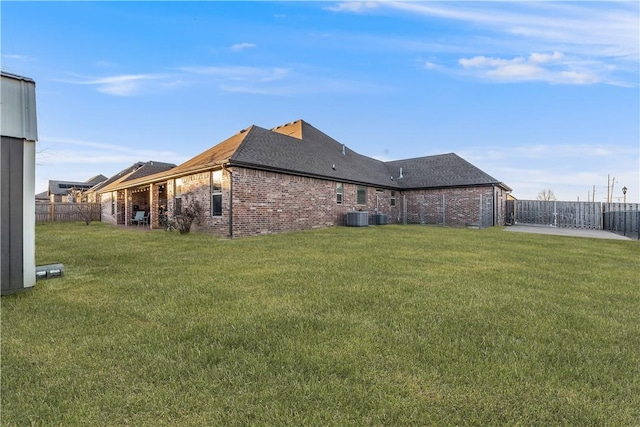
x=190, y=214
x=76, y=197
x=546, y=195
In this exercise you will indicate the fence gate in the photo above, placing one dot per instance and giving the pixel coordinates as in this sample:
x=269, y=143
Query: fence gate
x=559, y=214
x=622, y=218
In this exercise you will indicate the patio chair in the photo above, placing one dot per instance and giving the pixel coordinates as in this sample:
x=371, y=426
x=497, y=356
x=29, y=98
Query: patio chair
x=138, y=218
x=145, y=219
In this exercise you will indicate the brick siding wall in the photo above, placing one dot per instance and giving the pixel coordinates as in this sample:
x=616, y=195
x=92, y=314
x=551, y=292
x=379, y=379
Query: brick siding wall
x=269, y=202
x=198, y=188
x=105, y=208
x=451, y=206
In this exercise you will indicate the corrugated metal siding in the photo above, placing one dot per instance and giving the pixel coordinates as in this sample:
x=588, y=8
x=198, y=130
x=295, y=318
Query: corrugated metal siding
x=18, y=111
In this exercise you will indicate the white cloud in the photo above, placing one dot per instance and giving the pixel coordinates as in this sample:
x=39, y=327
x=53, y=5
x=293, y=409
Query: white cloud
x=600, y=38
x=16, y=57
x=127, y=84
x=56, y=151
x=241, y=73
x=242, y=46
x=550, y=68
x=561, y=152
x=542, y=58
x=353, y=6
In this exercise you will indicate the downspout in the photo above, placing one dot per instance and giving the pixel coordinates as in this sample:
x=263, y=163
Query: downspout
x=224, y=167
x=495, y=207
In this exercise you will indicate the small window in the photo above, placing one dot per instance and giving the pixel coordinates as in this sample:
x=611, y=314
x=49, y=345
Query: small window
x=216, y=193
x=177, y=208
x=361, y=195
x=339, y=193
x=113, y=204
x=393, y=198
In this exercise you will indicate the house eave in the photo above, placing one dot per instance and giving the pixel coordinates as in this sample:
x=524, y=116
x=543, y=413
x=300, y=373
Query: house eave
x=161, y=177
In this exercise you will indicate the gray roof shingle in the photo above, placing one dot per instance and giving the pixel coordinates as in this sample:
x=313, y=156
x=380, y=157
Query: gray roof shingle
x=298, y=148
x=443, y=170
x=315, y=154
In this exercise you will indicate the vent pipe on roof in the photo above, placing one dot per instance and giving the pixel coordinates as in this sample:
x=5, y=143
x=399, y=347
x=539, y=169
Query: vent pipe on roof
x=344, y=151
x=400, y=176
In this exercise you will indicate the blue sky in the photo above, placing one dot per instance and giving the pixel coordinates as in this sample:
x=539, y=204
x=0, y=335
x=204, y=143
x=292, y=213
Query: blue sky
x=539, y=95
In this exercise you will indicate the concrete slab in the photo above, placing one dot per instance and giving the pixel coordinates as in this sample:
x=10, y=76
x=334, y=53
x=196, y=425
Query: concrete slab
x=558, y=231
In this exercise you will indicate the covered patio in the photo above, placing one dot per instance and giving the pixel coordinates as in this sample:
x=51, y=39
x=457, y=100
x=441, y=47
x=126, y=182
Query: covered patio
x=142, y=206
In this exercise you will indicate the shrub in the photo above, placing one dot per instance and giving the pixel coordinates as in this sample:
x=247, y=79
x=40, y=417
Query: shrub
x=190, y=214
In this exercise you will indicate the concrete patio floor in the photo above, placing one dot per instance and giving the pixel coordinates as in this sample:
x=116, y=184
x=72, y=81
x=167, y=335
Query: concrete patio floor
x=557, y=231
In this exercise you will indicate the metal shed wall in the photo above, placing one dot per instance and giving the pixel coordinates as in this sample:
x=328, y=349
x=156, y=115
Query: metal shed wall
x=18, y=111
x=17, y=183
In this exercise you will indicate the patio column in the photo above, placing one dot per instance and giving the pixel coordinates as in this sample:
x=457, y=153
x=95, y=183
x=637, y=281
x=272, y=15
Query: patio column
x=127, y=206
x=153, y=205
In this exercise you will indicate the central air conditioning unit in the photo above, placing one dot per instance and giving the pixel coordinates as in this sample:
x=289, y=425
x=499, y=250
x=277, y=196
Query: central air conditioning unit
x=358, y=219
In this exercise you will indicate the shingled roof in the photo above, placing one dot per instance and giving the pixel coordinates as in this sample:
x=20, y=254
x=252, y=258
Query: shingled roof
x=134, y=172
x=444, y=170
x=298, y=148
x=63, y=187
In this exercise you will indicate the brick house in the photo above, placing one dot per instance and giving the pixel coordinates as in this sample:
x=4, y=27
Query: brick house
x=67, y=191
x=295, y=177
x=113, y=206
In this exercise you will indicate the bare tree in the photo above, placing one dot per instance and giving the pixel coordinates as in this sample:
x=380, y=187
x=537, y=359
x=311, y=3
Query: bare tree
x=76, y=198
x=546, y=195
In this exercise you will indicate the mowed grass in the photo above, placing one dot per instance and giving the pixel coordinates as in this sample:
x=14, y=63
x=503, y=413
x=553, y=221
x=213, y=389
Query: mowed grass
x=388, y=325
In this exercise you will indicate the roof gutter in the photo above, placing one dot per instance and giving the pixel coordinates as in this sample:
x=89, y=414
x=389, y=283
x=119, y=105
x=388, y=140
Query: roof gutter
x=162, y=176
x=224, y=167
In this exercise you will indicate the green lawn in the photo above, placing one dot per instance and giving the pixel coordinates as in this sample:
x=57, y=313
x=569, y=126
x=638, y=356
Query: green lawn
x=389, y=325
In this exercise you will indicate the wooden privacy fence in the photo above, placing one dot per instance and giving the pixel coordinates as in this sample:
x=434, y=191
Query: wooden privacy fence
x=68, y=211
x=559, y=214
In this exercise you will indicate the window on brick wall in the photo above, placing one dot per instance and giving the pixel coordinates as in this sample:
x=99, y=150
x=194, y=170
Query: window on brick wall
x=361, y=195
x=339, y=192
x=393, y=198
x=216, y=193
x=177, y=195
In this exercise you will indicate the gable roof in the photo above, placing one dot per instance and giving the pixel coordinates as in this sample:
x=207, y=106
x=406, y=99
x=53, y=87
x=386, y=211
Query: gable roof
x=135, y=171
x=298, y=148
x=444, y=170
x=44, y=196
x=63, y=187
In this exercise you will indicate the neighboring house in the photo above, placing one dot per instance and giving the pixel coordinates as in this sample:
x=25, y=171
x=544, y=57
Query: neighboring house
x=294, y=177
x=43, y=197
x=72, y=191
x=113, y=203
